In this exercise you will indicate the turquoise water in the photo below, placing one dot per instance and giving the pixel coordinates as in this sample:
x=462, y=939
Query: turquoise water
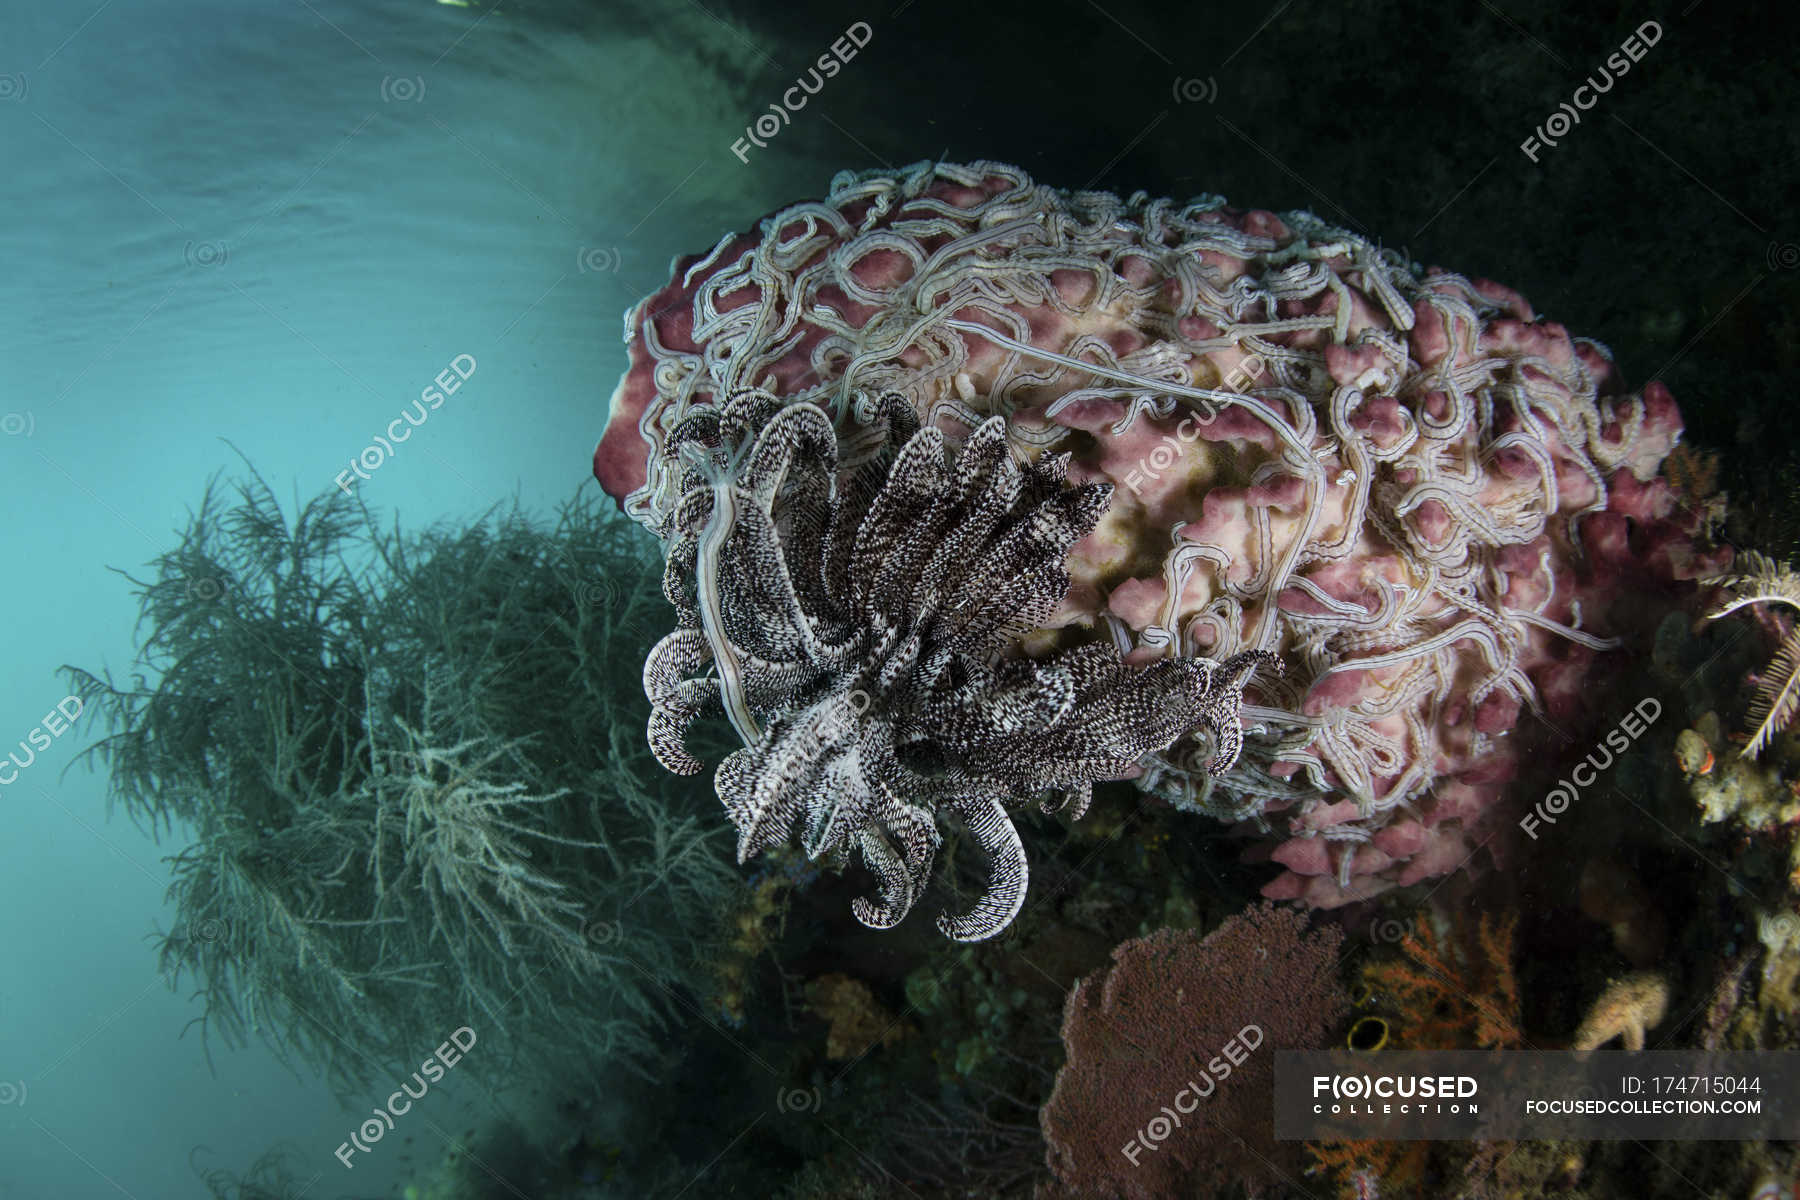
x=219, y=231
x=264, y=230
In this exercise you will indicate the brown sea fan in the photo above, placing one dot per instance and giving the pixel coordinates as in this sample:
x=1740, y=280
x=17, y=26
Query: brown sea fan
x=1145, y=1038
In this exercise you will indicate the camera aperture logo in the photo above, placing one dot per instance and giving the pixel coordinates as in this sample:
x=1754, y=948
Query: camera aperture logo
x=760, y=131
x=381, y=449
x=1170, y=448
x=1386, y=1095
x=1157, y=1130
x=429, y=1072
x=1556, y=801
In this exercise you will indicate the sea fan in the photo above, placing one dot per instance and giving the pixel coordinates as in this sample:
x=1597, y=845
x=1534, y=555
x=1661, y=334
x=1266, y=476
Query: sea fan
x=1777, y=696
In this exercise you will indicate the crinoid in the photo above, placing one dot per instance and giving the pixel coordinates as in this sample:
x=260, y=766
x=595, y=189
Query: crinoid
x=1777, y=696
x=858, y=629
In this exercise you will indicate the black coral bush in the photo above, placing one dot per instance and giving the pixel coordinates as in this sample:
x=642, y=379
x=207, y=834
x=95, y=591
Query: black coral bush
x=412, y=772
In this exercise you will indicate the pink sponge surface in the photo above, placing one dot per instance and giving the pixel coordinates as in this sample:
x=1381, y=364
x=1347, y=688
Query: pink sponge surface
x=1441, y=510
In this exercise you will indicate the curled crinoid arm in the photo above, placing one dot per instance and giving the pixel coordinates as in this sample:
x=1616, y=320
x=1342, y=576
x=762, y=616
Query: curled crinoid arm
x=1224, y=697
x=1777, y=696
x=894, y=887
x=998, y=838
x=1761, y=580
x=676, y=699
x=862, y=622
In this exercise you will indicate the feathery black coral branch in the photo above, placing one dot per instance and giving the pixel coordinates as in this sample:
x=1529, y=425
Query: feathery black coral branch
x=855, y=628
x=1777, y=698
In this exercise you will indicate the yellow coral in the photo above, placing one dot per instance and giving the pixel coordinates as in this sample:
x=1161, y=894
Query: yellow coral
x=858, y=1021
x=748, y=934
x=1627, y=1009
